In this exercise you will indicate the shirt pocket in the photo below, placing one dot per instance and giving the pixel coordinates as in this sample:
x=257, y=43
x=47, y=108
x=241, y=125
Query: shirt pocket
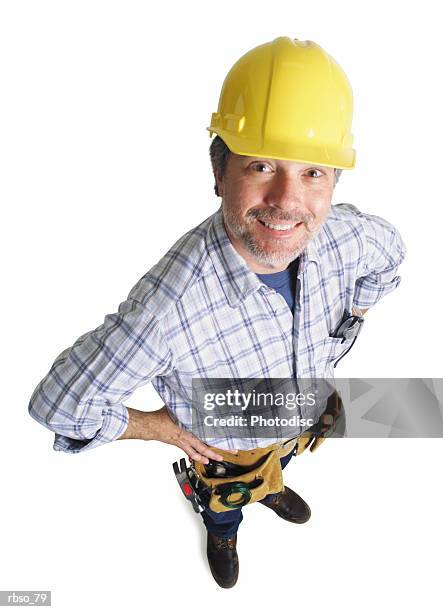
x=333, y=350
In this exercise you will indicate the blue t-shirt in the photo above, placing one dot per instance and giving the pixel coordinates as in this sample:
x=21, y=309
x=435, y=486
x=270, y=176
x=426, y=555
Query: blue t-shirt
x=284, y=282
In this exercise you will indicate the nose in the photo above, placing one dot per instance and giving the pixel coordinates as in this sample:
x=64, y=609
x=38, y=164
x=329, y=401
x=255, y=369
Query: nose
x=285, y=192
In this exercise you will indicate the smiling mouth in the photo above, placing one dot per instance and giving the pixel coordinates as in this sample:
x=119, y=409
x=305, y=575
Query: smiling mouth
x=279, y=226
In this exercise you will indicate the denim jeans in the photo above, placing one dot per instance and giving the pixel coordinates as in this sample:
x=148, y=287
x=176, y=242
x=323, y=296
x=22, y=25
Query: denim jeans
x=226, y=524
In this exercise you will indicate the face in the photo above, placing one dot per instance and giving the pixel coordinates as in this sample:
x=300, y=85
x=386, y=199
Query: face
x=272, y=208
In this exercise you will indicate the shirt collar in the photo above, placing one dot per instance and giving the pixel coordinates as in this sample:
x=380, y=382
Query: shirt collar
x=236, y=278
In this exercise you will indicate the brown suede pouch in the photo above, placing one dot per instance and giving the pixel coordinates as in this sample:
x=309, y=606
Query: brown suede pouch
x=267, y=476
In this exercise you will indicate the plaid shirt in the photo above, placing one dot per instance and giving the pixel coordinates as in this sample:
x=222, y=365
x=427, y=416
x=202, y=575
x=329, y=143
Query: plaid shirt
x=200, y=312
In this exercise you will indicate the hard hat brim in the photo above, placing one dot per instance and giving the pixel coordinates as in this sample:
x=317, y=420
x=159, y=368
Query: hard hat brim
x=331, y=157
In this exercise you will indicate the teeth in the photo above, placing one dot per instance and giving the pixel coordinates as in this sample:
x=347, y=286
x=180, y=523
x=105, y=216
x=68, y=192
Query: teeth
x=279, y=227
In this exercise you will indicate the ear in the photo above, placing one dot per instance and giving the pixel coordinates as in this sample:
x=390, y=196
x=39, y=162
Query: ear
x=219, y=185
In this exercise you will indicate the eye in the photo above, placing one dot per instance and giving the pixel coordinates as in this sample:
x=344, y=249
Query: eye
x=261, y=167
x=319, y=174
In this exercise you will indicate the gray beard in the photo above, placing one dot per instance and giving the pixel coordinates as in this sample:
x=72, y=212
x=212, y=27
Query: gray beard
x=272, y=258
x=269, y=258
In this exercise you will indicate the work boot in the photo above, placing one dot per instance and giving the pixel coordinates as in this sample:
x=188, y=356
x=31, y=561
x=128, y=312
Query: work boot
x=223, y=559
x=289, y=506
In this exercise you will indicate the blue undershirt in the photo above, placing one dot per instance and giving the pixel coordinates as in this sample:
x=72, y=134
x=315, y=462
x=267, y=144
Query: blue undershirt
x=284, y=282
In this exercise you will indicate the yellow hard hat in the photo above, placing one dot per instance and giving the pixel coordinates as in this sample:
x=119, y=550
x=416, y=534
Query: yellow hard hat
x=287, y=99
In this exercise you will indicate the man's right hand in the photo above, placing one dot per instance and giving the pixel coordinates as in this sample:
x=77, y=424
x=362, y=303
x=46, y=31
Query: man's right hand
x=158, y=425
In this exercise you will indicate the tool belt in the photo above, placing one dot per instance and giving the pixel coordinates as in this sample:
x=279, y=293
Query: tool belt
x=250, y=475
x=253, y=474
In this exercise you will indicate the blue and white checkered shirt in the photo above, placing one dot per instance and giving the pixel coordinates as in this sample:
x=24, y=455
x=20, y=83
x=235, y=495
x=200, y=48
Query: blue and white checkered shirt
x=200, y=312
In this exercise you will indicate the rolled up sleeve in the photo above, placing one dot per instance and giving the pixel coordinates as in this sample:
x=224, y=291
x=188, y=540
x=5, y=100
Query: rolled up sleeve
x=80, y=399
x=384, y=252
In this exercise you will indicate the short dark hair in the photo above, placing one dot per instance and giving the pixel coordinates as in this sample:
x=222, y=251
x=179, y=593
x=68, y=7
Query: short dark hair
x=219, y=154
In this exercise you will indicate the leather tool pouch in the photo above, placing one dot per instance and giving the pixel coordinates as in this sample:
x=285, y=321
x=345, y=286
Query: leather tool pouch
x=258, y=474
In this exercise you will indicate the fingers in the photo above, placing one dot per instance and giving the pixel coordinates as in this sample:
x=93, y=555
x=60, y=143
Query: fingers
x=196, y=449
x=200, y=455
x=327, y=419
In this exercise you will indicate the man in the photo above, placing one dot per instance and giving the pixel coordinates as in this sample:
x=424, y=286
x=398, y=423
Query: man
x=258, y=290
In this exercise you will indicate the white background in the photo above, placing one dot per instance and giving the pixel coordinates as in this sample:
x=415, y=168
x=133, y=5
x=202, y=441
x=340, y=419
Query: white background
x=104, y=164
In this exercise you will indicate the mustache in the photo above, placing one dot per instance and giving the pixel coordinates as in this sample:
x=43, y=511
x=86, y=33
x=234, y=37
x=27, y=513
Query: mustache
x=275, y=216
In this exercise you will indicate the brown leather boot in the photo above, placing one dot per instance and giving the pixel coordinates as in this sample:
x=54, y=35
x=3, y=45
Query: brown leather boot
x=289, y=506
x=223, y=560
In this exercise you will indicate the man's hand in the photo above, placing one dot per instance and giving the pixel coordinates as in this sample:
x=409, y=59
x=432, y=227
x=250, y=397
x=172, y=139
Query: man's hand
x=358, y=312
x=158, y=425
x=326, y=425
